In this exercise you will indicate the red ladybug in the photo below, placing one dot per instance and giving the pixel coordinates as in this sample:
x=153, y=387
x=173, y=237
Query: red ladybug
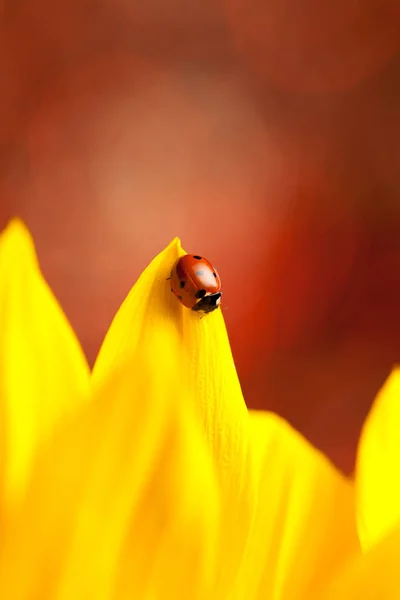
x=196, y=283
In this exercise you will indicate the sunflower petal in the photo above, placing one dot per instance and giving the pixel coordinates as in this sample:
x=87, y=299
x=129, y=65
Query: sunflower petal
x=152, y=320
x=304, y=525
x=149, y=309
x=377, y=481
x=43, y=373
x=372, y=576
x=123, y=500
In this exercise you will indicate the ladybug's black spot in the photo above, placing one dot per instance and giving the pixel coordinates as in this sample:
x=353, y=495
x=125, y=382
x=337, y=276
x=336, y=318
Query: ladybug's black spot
x=201, y=293
x=215, y=275
x=196, y=257
x=172, y=290
x=182, y=284
x=180, y=297
x=199, y=273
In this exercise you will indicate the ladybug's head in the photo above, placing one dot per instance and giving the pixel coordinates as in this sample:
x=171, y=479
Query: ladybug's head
x=208, y=303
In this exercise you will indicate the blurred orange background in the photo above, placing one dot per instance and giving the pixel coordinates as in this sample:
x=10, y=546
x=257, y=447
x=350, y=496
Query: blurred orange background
x=264, y=134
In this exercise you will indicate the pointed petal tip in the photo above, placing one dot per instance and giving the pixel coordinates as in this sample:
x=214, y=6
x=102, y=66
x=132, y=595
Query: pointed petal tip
x=16, y=244
x=16, y=224
x=17, y=233
x=176, y=243
x=378, y=454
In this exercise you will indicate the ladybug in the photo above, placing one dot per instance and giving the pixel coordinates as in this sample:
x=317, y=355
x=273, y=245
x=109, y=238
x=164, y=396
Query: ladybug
x=196, y=283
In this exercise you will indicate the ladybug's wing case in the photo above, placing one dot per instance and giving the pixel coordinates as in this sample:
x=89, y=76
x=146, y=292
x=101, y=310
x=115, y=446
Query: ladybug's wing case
x=182, y=285
x=202, y=274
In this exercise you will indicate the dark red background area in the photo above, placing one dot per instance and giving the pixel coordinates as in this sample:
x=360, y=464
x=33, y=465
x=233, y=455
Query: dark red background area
x=264, y=134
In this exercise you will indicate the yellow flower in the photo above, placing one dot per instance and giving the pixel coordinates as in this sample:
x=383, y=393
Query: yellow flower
x=149, y=478
x=376, y=574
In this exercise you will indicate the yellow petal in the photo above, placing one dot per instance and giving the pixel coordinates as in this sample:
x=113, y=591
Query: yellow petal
x=149, y=309
x=43, y=373
x=373, y=576
x=122, y=503
x=200, y=353
x=377, y=481
x=304, y=526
